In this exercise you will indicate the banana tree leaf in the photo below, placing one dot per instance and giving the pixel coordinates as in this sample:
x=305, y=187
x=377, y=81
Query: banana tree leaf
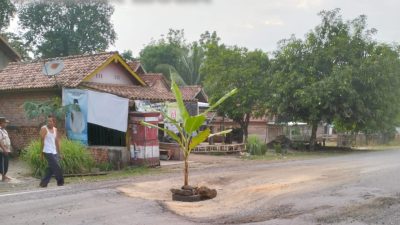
x=202, y=136
x=221, y=100
x=179, y=101
x=221, y=133
x=193, y=123
x=170, y=133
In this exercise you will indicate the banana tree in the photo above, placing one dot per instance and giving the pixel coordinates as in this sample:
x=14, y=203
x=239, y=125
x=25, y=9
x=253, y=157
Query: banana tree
x=188, y=128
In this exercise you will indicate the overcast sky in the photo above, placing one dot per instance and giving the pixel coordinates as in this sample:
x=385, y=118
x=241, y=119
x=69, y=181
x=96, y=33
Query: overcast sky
x=247, y=23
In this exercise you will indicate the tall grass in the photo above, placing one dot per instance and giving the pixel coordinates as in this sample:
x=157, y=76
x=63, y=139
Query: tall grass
x=76, y=158
x=255, y=146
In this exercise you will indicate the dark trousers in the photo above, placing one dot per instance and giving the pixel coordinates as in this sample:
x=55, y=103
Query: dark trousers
x=3, y=163
x=53, y=167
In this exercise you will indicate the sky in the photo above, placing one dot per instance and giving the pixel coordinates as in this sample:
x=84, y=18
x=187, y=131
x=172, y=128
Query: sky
x=255, y=24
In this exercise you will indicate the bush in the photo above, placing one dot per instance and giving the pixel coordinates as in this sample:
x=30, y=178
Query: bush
x=76, y=158
x=255, y=146
x=279, y=150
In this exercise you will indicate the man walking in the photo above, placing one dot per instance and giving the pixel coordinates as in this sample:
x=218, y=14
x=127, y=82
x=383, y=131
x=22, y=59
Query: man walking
x=5, y=149
x=50, y=146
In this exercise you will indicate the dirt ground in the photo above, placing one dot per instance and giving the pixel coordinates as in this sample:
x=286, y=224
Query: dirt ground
x=20, y=176
x=357, y=188
x=337, y=190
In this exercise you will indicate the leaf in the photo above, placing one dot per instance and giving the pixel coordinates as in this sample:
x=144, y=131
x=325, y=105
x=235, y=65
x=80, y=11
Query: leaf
x=170, y=133
x=221, y=133
x=175, y=123
x=179, y=100
x=221, y=100
x=193, y=123
x=202, y=136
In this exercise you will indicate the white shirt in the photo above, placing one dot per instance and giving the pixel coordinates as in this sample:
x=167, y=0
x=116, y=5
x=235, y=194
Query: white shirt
x=49, y=145
x=5, y=139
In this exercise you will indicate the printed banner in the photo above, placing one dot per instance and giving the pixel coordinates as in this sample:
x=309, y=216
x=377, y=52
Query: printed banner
x=76, y=120
x=168, y=108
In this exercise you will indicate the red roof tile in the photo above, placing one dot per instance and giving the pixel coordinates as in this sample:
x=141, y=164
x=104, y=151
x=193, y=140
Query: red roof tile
x=192, y=92
x=137, y=67
x=28, y=75
x=133, y=92
x=134, y=65
x=156, y=80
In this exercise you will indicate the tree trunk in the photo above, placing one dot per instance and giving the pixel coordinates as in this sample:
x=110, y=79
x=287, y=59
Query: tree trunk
x=245, y=126
x=186, y=172
x=313, y=139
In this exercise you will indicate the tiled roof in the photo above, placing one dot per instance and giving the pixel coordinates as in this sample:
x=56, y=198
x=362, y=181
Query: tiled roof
x=137, y=67
x=156, y=80
x=133, y=92
x=134, y=65
x=8, y=50
x=28, y=75
x=191, y=92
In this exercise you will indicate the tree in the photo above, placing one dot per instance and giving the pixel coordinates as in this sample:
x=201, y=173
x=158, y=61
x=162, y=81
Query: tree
x=128, y=55
x=164, y=51
x=18, y=45
x=228, y=67
x=325, y=76
x=172, y=53
x=62, y=28
x=53, y=107
x=7, y=11
x=188, y=126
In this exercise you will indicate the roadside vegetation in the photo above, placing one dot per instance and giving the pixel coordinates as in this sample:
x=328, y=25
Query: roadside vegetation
x=75, y=158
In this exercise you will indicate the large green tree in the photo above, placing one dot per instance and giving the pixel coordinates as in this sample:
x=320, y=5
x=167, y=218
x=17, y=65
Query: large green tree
x=18, y=44
x=62, y=28
x=174, y=57
x=7, y=11
x=228, y=67
x=164, y=54
x=333, y=76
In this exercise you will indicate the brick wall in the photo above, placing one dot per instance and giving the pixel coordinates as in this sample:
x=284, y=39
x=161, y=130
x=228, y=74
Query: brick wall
x=22, y=136
x=21, y=129
x=11, y=105
x=100, y=154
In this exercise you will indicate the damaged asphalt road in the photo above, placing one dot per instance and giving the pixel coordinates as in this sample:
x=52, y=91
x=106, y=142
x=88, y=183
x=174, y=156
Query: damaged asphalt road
x=357, y=188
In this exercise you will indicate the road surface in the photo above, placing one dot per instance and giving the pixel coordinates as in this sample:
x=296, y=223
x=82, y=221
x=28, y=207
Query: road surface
x=356, y=188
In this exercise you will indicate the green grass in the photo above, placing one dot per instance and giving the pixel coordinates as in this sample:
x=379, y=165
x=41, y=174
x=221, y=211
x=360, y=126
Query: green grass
x=127, y=172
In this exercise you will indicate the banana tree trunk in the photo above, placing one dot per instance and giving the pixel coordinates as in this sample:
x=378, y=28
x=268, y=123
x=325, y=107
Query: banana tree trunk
x=186, y=171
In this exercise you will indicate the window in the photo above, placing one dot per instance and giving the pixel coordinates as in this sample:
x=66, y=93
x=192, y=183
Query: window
x=98, y=135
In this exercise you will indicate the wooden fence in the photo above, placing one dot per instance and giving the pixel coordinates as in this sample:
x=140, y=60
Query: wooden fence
x=220, y=148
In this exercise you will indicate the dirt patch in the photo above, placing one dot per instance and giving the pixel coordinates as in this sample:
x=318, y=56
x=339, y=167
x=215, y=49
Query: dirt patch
x=367, y=212
x=287, y=211
x=241, y=198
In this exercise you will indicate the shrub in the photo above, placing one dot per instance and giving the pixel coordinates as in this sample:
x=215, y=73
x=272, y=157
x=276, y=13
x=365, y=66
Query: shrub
x=255, y=146
x=105, y=166
x=76, y=159
x=279, y=150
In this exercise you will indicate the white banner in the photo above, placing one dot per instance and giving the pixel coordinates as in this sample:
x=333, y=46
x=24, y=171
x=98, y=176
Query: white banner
x=108, y=110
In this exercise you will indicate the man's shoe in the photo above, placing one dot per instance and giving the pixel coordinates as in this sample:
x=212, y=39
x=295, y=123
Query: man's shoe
x=43, y=185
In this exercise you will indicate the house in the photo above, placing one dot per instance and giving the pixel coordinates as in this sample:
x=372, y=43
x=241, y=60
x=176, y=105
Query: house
x=137, y=67
x=7, y=53
x=101, y=73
